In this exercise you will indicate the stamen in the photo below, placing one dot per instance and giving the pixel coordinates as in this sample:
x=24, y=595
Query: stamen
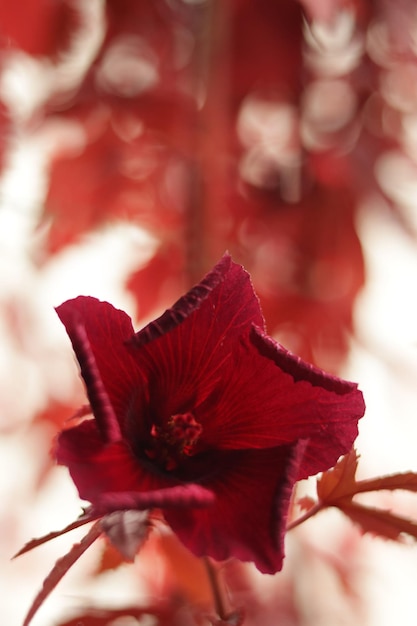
x=174, y=440
x=182, y=431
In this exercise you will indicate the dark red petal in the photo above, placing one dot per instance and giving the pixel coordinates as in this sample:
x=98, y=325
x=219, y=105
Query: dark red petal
x=248, y=518
x=327, y=410
x=263, y=403
x=185, y=353
x=100, y=404
x=225, y=301
x=179, y=496
x=107, y=330
x=295, y=366
x=98, y=468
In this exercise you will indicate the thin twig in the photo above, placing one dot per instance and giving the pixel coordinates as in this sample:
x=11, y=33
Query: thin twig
x=313, y=511
x=215, y=587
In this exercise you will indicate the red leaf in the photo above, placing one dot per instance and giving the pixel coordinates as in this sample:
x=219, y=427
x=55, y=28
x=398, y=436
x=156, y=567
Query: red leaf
x=338, y=486
x=39, y=27
x=263, y=32
x=306, y=503
x=34, y=543
x=309, y=281
x=406, y=481
x=110, y=559
x=58, y=415
x=113, y=179
x=159, y=281
x=60, y=569
x=379, y=522
x=340, y=482
x=55, y=416
x=180, y=573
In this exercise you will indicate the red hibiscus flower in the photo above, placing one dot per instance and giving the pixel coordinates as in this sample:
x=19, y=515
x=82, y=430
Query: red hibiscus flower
x=202, y=416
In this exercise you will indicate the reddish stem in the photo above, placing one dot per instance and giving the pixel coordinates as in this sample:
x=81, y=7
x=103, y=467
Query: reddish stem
x=215, y=587
x=310, y=513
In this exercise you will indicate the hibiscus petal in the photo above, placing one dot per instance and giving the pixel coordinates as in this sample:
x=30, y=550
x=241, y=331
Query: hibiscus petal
x=295, y=366
x=178, y=496
x=329, y=412
x=98, y=468
x=183, y=354
x=270, y=397
x=107, y=330
x=226, y=290
x=100, y=404
x=262, y=418
x=248, y=518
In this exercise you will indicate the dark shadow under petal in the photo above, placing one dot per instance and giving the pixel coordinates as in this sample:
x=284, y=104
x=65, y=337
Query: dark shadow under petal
x=249, y=516
x=98, y=468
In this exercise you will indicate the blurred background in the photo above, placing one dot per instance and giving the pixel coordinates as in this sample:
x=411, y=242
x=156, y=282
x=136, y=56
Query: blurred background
x=139, y=140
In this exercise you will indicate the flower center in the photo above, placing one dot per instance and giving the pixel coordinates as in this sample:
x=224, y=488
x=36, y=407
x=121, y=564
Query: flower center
x=174, y=440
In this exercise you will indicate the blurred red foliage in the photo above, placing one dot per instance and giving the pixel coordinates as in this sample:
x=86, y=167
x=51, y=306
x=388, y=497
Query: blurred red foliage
x=39, y=27
x=193, y=118
x=261, y=128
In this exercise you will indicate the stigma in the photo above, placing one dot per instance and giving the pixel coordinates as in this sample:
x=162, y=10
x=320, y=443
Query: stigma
x=175, y=440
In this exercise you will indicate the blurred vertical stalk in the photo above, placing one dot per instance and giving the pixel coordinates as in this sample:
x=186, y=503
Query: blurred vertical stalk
x=218, y=601
x=204, y=243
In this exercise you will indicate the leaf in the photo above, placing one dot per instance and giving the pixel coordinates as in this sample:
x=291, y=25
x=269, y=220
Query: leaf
x=306, y=503
x=184, y=574
x=40, y=27
x=379, y=522
x=340, y=482
x=406, y=481
x=338, y=486
x=34, y=543
x=60, y=569
x=160, y=280
x=110, y=559
x=127, y=531
x=57, y=414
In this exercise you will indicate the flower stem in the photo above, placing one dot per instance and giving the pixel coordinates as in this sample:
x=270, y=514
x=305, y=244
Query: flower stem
x=310, y=513
x=215, y=587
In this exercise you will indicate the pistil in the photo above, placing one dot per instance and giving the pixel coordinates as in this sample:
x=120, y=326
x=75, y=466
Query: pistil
x=174, y=440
